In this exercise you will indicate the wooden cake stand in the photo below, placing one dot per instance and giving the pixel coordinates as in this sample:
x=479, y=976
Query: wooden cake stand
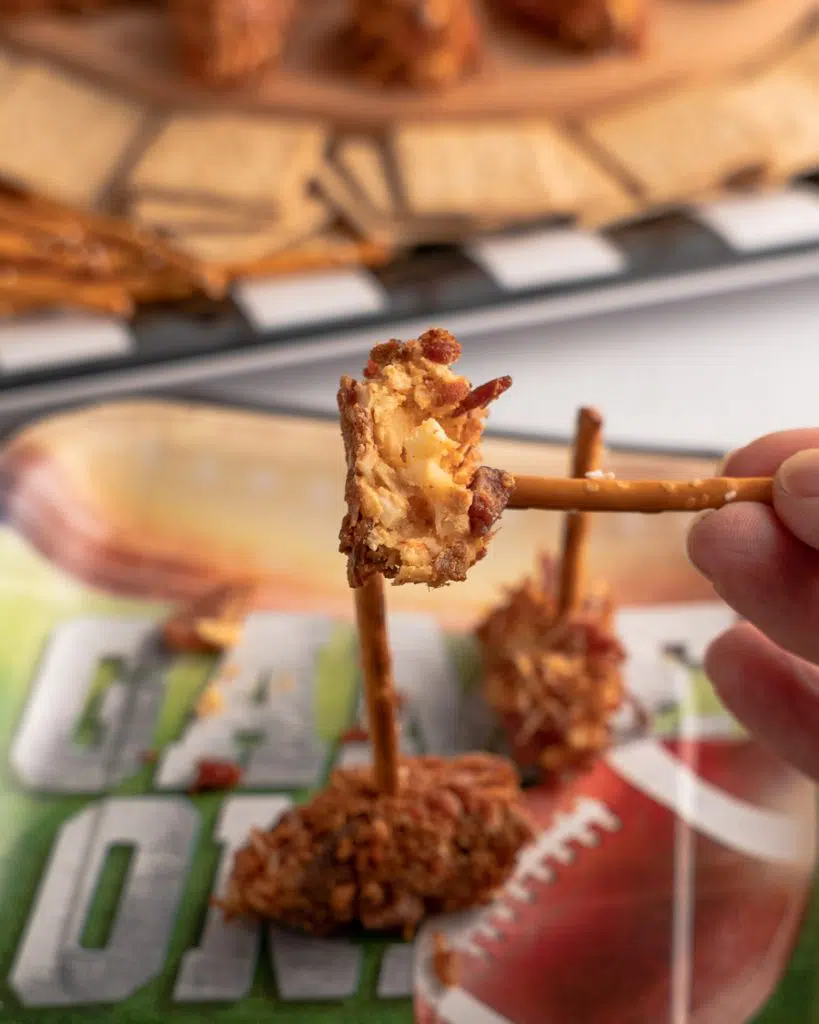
x=521, y=74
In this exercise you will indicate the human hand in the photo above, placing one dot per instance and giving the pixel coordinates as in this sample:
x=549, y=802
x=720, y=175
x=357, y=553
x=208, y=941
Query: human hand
x=764, y=562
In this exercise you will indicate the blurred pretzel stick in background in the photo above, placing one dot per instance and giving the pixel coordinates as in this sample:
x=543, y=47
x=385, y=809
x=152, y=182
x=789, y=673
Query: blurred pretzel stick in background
x=40, y=289
x=588, y=448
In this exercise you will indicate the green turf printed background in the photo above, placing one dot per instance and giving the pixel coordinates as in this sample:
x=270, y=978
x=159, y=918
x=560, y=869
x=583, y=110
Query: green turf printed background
x=34, y=598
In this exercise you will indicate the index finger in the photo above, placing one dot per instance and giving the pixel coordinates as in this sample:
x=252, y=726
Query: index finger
x=764, y=456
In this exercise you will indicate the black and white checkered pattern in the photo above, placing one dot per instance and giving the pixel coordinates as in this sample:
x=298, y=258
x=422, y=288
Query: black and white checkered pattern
x=530, y=276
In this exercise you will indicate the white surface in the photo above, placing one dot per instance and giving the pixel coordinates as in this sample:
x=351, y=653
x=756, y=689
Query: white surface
x=551, y=256
x=292, y=302
x=57, y=341
x=708, y=374
x=757, y=223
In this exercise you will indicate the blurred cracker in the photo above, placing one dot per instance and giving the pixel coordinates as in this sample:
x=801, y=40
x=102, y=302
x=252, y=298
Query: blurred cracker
x=302, y=220
x=233, y=161
x=350, y=207
x=190, y=215
x=578, y=186
x=512, y=170
x=469, y=170
x=783, y=105
x=362, y=161
x=62, y=137
x=681, y=144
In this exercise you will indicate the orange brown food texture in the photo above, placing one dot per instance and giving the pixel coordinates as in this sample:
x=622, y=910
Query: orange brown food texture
x=555, y=683
x=427, y=44
x=587, y=25
x=445, y=961
x=446, y=841
x=442, y=396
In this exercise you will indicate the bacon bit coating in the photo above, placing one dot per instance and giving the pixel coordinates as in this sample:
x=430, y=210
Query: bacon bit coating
x=214, y=775
x=426, y=44
x=446, y=841
x=481, y=396
x=555, y=684
x=355, y=734
x=587, y=25
x=420, y=507
x=490, y=495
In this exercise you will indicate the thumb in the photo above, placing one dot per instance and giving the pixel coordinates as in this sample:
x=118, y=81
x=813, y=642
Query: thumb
x=796, y=495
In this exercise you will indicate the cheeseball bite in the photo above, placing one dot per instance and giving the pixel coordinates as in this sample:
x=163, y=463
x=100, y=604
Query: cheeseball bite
x=446, y=841
x=555, y=681
x=420, y=506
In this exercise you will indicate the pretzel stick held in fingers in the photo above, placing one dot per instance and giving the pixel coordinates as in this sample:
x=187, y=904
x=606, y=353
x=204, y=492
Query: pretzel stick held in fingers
x=648, y=496
x=587, y=451
x=376, y=665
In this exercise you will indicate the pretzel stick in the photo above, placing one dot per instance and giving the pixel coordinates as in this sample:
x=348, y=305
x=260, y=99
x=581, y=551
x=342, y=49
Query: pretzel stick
x=14, y=245
x=376, y=664
x=647, y=496
x=587, y=453
x=32, y=218
x=102, y=297
x=210, y=279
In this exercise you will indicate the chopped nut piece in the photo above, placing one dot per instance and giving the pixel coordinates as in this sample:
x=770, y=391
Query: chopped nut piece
x=587, y=24
x=427, y=44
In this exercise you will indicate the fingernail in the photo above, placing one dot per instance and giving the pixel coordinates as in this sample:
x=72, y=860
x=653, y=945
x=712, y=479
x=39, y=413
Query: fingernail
x=698, y=518
x=691, y=548
x=798, y=476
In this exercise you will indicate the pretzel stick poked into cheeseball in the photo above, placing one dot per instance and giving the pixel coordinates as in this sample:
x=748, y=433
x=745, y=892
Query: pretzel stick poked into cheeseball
x=648, y=496
x=586, y=459
x=379, y=689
